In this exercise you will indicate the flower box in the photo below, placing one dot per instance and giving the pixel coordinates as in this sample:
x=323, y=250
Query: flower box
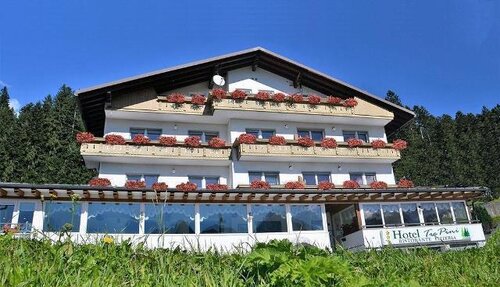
x=314, y=99
x=279, y=97
x=186, y=187
x=305, y=142
x=192, y=141
x=297, y=98
x=378, y=185
x=277, y=140
x=99, y=181
x=247, y=139
x=84, y=137
x=350, y=184
x=405, y=183
x=114, y=139
x=238, y=95
x=352, y=142
x=159, y=186
x=399, y=144
x=176, y=98
x=218, y=94
x=168, y=141
x=216, y=143
x=378, y=144
x=333, y=100
x=328, y=143
x=350, y=102
x=135, y=184
x=198, y=99
x=140, y=139
x=295, y=185
x=216, y=186
x=262, y=96
x=260, y=184
x=326, y=185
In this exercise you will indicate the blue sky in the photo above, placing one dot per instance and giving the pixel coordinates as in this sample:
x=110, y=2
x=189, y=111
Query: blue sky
x=444, y=55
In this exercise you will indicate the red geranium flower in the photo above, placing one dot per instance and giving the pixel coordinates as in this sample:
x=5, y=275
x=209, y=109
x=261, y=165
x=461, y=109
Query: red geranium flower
x=247, y=138
x=186, y=187
x=260, y=184
x=378, y=144
x=262, y=96
x=405, y=183
x=176, y=98
x=114, y=139
x=238, y=95
x=353, y=142
x=135, y=184
x=399, y=144
x=168, y=141
x=325, y=185
x=305, y=141
x=84, y=137
x=297, y=98
x=378, y=185
x=99, y=181
x=328, y=143
x=216, y=186
x=333, y=100
x=350, y=184
x=192, y=141
x=216, y=143
x=295, y=185
x=350, y=102
x=218, y=94
x=279, y=97
x=277, y=140
x=314, y=99
x=198, y=99
x=140, y=139
x=159, y=186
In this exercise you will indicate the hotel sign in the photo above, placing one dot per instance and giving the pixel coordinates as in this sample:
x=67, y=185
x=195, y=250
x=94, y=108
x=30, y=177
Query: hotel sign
x=423, y=235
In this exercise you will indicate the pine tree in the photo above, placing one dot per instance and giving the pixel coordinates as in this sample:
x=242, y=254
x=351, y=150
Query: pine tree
x=7, y=128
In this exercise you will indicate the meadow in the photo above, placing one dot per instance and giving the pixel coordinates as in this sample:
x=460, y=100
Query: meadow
x=25, y=262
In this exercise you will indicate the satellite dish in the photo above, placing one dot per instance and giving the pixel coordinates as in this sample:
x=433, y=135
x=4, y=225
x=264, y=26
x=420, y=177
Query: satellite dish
x=218, y=80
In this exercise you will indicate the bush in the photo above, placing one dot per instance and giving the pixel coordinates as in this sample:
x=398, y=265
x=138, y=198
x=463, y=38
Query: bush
x=277, y=140
x=328, y=143
x=279, y=97
x=216, y=143
x=168, y=141
x=350, y=184
x=295, y=185
x=198, y=99
x=114, y=139
x=192, y=141
x=187, y=187
x=140, y=139
x=99, y=181
x=84, y=137
x=247, y=139
x=260, y=184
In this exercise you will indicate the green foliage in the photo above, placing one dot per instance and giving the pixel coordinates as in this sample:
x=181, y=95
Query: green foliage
x=27, y=262
x=38, y=145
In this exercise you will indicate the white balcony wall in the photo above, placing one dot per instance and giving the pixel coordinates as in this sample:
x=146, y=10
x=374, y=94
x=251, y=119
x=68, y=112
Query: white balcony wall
x=289, y=129
x=339, y=172
x=117, y=173
x=179, y=130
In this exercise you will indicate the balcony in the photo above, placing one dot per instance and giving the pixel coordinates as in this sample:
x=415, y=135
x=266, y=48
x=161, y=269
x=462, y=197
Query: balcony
x=263, y=151
x=154, y=153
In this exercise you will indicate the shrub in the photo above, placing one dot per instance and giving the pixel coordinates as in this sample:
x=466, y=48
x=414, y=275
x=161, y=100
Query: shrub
x=277, y=140
x=84, y=137
x=238, y=95
x=198, y=99
x=217, y=143
x=247, y=138
x=378, y=144
x=135, y=184
x=314, y=99
x=176, y=98
x=305, y=142
x=262, y=96
x=218, y=94
x=325, y=185
x=297, y=98
x=260, y=184
x=114, y=139
x=333, y=100
x=350, y=102
x=405, y=183
x=192, y=141
x=159, y=186
x=399, y=144
x=328, y=143
x=186, y=187
x=350, y=184
x=353, y=142
x=140, y=139
x=216, y=186
x=295, y=185
x=168, y=141
x=378, y=185
x=99, y=181
x=279, y=97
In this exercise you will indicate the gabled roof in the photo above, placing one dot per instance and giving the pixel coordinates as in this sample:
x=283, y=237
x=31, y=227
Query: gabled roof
x=92, y=100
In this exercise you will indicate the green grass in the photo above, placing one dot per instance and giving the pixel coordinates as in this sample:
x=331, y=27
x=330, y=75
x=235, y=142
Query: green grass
x=41, y=263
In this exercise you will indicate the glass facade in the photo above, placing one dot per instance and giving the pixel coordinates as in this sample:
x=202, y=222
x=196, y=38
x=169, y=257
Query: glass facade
x=391, y=214
x=269, y=218
x=169, y=219
x=429, y=212
x=306, y=217
x=113, y=218
x=410, y=213
x=372, y=215
x=460, y=212
x=223, y=218
x=6, y=212
x=61, y=216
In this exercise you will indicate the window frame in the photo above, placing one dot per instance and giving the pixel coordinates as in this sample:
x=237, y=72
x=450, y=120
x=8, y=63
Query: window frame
x=203, y=179
x=363, y=176
x=316, y=173
x=310, y=131
x=202, y=134
x=145, y=132
x=142, y=177
x=263, y=175
x=356, y=135
x=260, y=131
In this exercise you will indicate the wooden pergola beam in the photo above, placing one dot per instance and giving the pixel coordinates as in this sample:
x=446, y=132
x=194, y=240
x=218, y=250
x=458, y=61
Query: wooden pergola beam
x=86, y=194
x=277, y=197
x=375, y=195
x=19, y=192
x=3, y=192
x=35, y=192
x=115, y=195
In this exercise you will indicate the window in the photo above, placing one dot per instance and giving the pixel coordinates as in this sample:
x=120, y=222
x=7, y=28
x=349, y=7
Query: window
x=261, y=133
x=410, y=213
x=61, y=216
x=223, y=218
x=460, y=212
x=306, y=217
x=269, y=218
x=203, y=181
x=271, y=177
x=391, y=214
x=205, y=136
x=148, y=178
x=429, y=212
x=152, y=134
x=316, y=135
x=444, y=211
x=113, y=218
x=362, y=135
x=26, y=210
x=169, y=219
x=313, y=178
x=372, y=215
x=6, y=212
x=363, y=178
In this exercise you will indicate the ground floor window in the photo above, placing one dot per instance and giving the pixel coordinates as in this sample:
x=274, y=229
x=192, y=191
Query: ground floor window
x=410, y=213
x=223, y=218
x=61, y=216
x=372, y=215
x=6, y=213
x=306, y=217
x=391, y=214
x=169, y=219
x=269, y=218
x=113, y=218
